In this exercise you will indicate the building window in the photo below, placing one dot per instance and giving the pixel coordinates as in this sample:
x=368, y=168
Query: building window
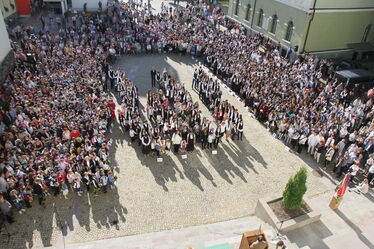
x=366, y=33
x=289, y=31
x=274, y=23
x=237, y=7
x=260, y=18
x=248, y=13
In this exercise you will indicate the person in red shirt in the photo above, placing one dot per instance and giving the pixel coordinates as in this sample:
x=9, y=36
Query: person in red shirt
x=111, y=105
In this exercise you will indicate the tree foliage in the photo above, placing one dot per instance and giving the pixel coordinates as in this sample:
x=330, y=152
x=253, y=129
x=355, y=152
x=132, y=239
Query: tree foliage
x=295, y=190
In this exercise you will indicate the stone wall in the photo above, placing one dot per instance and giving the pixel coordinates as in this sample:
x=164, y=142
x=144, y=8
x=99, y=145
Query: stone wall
x=6, y=65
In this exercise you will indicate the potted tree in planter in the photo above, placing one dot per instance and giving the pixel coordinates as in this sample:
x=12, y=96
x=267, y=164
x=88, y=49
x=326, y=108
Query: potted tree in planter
x=292, y=209
x=295, y=190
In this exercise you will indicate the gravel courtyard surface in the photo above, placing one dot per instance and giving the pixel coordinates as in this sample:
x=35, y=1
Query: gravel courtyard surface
x=176, y=193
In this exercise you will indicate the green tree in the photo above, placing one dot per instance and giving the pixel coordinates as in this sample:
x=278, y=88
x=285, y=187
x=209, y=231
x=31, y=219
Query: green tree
x=295, y=190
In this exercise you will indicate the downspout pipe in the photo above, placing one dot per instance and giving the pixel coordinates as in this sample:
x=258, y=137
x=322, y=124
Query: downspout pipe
x=253, y=14
x=309, y=24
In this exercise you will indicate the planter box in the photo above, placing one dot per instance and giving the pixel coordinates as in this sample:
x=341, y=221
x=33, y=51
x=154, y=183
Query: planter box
x=264, y=212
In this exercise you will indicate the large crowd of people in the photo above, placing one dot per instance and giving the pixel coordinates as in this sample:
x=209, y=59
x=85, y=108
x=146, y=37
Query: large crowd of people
x=56, y=114
x=56, y=118
x=300, y=102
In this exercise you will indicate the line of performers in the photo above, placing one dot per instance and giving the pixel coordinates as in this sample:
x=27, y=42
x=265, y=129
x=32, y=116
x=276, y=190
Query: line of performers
x=172, y=121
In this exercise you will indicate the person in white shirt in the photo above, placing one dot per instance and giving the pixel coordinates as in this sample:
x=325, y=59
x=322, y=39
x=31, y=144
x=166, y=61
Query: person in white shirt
x=353, y=137
x=330, y=141
x=363, y=187
x=320, y=147
x=341, y=145
x=290, y=131
x=330, y=151
x=352, y=148
x=302, y=141
x=176, y=139
x=343, y=132
x=353, y=170
x=211, y=138
x=313, y=140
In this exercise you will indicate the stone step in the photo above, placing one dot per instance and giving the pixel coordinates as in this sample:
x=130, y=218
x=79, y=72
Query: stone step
x=191, y=237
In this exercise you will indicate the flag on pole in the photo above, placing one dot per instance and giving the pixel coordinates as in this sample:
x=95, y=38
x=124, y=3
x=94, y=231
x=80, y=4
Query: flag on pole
x=342, y=187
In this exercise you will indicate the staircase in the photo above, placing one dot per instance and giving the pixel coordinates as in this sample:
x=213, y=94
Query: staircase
x=209, y=235
x=231, y=232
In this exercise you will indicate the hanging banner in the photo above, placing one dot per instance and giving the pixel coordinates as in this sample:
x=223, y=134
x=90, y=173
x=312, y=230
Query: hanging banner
x=23, y=7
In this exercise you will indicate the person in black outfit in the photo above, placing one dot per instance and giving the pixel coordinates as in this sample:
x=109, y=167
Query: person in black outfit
x=38, y=191
x=112, y=78
x=191, y=142
x=240, y=129
x=234, y=132
x=86, y=181
x=153, y=77
x=42, y=20
x=158, y=78
x=219, y=134
x=204, y=138
x=55, y=186
x=195, y=75
x=104, y=82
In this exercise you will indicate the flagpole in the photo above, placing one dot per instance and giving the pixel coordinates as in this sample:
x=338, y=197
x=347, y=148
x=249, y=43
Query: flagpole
x=339, y=192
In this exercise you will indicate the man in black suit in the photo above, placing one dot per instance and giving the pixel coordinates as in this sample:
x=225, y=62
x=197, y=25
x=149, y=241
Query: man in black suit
x=153, y=77
x=38, y=191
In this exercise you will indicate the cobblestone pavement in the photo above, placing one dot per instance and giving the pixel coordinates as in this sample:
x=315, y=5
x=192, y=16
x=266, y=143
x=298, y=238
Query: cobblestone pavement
x=176, y=193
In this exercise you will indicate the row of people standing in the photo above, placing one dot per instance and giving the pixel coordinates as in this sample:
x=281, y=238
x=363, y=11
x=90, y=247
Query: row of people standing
x=228, y=118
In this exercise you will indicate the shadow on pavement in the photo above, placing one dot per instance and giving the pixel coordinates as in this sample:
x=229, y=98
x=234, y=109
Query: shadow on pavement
x=240, y=153
x=311, y=235
x=355, y=228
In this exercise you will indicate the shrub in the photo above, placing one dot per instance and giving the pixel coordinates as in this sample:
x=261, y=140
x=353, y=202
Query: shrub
x=295, y=190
